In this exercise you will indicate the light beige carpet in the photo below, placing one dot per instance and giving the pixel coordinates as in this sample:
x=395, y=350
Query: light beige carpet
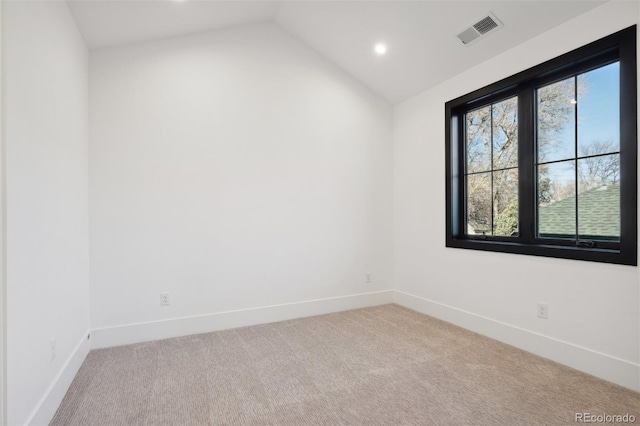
x=385, y=365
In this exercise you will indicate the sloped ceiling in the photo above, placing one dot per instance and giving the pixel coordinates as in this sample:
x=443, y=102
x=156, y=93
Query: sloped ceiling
x=421, y=35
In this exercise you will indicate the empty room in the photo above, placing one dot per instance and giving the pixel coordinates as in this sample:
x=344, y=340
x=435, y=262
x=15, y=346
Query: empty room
x=319, y=212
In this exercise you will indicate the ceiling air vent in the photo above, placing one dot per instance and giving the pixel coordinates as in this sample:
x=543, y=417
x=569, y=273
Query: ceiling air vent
x=479, y=29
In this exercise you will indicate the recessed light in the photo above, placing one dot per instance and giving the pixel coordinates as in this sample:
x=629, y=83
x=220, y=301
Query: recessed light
x=380, y=48
x=573, y=101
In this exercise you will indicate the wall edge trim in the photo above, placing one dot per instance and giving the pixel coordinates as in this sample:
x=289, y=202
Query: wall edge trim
x=604, y=366
x=126, y=334
x=46, y=408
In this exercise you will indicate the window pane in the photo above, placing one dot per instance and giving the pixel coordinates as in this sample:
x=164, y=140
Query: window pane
x=599, y=197
x=479, y=140
x=556, y=121
x=599, y=111
x=557, y=199
x=505, y=134
x=595, y=172
x=505, y=202
x=479, y=204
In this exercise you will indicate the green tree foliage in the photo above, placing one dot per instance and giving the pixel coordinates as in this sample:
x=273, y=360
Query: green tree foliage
x=506, y=222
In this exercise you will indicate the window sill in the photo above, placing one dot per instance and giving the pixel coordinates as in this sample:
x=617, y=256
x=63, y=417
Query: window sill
x=563, y=252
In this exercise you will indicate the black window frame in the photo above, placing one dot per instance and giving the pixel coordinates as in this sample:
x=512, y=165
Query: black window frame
x=620, y=46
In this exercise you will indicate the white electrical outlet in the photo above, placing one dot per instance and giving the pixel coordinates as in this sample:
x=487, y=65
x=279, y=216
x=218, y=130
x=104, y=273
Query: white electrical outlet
x=368, y=278
x=164, y=299
x=53, y=348
x=543, y=310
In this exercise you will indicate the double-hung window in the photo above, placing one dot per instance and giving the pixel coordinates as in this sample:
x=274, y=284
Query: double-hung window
x=545, y=162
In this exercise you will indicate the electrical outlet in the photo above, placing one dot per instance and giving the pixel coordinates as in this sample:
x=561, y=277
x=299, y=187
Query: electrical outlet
x=164, y=299
x=543, y=310
x=368, y=278
x=53, y=348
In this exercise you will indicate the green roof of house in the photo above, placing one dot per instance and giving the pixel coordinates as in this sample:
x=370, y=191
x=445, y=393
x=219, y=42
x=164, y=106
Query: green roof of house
x=598, y=214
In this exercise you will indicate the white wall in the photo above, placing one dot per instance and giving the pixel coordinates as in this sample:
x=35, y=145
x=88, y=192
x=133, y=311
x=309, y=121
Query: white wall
x=593, y=308
x=234, y=169
x=46, y=119
x=3, y=232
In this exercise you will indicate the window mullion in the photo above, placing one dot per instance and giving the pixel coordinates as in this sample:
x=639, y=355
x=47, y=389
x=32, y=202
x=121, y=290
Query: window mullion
x=526, y=165
x=491, y=168
x=575, y=161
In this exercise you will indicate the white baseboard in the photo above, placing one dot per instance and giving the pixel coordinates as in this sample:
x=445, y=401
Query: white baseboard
x=607, y=367
x=164, y=329
x=50, y=401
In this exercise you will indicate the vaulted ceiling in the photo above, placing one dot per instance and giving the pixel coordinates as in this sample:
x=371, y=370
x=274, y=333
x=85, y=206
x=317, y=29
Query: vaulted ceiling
x=423, y=49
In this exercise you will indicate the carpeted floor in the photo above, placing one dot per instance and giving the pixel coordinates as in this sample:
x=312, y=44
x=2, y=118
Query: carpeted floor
x=385, y=365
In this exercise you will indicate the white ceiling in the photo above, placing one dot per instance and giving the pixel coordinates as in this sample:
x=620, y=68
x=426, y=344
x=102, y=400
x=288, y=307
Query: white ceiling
x=421, y=35
x=105, y=23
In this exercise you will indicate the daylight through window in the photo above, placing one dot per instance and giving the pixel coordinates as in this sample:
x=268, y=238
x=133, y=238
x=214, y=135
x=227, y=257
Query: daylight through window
x=544, y=162
x=578, y=161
